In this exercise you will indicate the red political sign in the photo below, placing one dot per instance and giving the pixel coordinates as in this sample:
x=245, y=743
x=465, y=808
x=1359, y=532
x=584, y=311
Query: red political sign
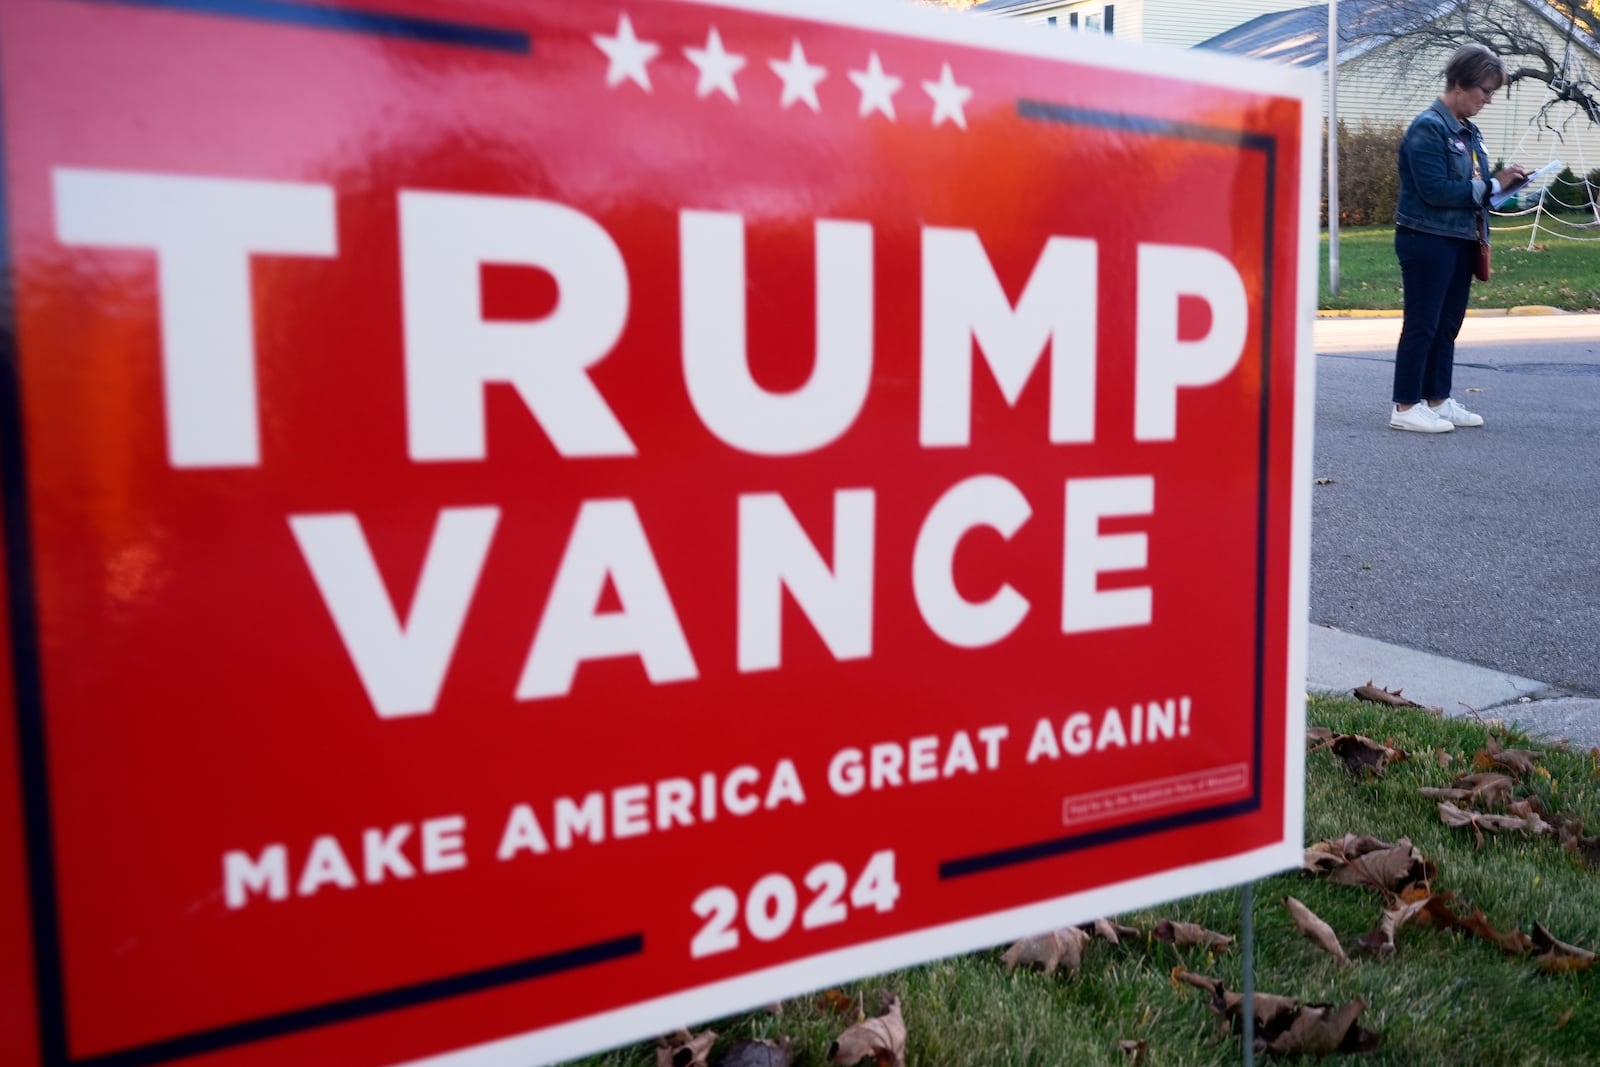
x=527, y=524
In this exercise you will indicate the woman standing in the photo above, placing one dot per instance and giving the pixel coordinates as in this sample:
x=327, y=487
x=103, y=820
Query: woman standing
x=1443, y=209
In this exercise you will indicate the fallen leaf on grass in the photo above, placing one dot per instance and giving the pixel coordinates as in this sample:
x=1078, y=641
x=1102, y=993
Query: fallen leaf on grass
x=1106, y=930
x=1362, y=753
x=1487, y=789
x=1318, y=737
x=1444, y=758
x=1273, y=1012
x=1451, y=815
x=1133, y=1050
x=1437, y=911
x=1191, y=935
x=1566, y=1017
x=1558, y=956
x=1389, y=869
x=1585, y=848
x=1049, y=951
x=1380, y=939
x=1519, y=761
x=1320, y=1029
x=1360, y=844
x=838, y=1002
x=684, y=1049
x=883, y=1037
x=1394, y=698
x=759, y=1053
x=1318, y=931
x=1318, y=860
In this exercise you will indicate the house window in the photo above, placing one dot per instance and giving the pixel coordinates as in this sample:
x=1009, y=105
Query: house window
x=1051, y=21
x=1101, y=21
x=1072, y=21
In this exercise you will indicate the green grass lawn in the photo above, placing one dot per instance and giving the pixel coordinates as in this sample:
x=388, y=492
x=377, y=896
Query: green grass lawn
x=1444, y=997
x=1559, y=273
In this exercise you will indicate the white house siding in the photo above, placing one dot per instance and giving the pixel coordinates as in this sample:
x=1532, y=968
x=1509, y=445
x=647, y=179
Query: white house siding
x=1184, y=23
x=1124, y=25
x=1179, y=23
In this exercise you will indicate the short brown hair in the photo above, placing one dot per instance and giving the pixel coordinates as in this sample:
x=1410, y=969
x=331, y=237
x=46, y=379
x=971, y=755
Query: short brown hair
x=1474, y=64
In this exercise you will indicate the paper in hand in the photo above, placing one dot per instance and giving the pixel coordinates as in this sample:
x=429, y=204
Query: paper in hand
x=1504, y=196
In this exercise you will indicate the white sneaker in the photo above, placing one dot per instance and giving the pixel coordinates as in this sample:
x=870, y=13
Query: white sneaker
x=1455, y=414
x=1420, y=418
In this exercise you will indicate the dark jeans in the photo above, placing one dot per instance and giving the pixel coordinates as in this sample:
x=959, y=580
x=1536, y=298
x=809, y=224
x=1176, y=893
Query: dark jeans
x=1437, y=275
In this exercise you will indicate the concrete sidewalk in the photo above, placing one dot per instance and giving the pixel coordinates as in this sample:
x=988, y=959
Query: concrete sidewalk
x=1338, y=662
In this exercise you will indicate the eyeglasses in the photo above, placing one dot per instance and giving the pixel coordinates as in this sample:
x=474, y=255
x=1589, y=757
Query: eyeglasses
x=1488, y=93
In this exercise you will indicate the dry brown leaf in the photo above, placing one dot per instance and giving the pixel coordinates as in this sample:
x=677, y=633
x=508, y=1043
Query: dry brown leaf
x=1318, y=931
x=1485, y=790
x=1519, y=761
x=1585, y=848
x=1451, y=815
x=838, y=1002
x=1320, y=861
x=1380, y=939
x=1441, y=793
x=1388, y=869
x=1362, y=753
x=1321, y=1029
x=1106, y=930
x=684, y=1049
x=1566, y=1017
x=1512, y=942
x=1558, y=956
x=1444, y=758
x=759, y=1053
x=1048, y=951
x=1360, y=844
x=1133, y=1050
x=1191, y=935
x=1375, y=694
x=883, y=1037
x=1272, y=1011
x=1318, y=737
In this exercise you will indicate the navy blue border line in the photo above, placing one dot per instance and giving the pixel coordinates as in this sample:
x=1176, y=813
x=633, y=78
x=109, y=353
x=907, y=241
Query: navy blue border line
x=340, y=1011
x=348, y=20
x=1268, y=145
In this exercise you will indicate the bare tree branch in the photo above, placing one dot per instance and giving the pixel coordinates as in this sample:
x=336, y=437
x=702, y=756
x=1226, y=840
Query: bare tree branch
x=1554, y=42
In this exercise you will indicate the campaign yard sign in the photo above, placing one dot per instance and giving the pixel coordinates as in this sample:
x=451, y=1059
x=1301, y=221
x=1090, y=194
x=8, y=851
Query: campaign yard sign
x=528, y=524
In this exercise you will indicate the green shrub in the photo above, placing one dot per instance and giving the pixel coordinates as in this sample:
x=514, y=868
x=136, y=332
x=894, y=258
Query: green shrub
x=1567, y=192
x=1369, y=174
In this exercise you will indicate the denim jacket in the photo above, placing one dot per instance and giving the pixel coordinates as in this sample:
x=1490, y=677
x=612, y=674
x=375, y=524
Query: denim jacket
x=1438, y=193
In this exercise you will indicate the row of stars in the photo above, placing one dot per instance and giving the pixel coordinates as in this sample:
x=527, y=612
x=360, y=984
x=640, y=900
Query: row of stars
x=628, y=60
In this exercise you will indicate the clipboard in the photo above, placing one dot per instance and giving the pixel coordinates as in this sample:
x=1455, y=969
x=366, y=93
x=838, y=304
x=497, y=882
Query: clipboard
x=1505, y=196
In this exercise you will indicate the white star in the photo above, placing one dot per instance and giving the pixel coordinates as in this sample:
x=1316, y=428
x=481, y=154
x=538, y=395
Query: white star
x=627, y=54
x=716, y=67
x=877, y=88
x=948, y=98
x=799, y=77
